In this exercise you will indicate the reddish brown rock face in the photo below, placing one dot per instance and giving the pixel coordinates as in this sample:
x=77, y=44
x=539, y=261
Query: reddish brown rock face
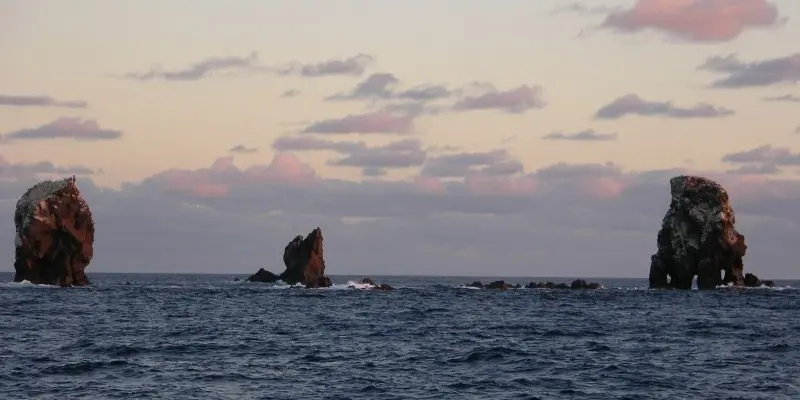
x=54, y=235
x=304, y=261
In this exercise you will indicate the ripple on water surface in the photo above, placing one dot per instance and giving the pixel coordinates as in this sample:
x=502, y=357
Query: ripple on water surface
x=207, y=337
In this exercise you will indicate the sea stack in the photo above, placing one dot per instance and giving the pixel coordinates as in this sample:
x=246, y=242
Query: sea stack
x=54, y=240
x=304, y=262
x=698, y=237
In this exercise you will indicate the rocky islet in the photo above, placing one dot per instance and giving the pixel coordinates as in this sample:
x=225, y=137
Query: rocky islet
x=54, y=241
x=698, y=238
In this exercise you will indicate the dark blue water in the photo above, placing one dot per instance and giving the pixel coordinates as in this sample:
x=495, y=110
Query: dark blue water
x=207, y=337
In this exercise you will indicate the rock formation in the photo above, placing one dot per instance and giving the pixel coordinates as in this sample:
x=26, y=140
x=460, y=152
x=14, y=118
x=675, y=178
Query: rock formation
x=502, y=285
x=304, y=262
x=54, y=235
x=751, y=280
x=263, y=276
x=375, y=286
x=698, y=237
x=582, y=284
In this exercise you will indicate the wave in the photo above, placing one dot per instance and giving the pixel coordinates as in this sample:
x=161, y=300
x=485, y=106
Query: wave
x=26, y=285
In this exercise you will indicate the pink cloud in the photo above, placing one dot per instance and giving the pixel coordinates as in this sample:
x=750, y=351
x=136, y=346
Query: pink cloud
x=430, y=185
x=210, y=189
x=484, y=184
x=192, y=182
x=604, y=187
x=285, y=168
x=223, y=164
x=223, y=175
x=696, y=20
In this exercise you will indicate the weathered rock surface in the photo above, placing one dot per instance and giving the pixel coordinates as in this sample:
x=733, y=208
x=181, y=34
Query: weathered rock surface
x=54, y=235
x=698, y=237
x=502, y=285
x=304, y=262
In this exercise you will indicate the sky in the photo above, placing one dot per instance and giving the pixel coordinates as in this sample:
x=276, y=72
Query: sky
x=470, y=138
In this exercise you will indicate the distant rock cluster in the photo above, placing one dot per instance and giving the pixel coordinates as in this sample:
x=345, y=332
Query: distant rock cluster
x=502, y=285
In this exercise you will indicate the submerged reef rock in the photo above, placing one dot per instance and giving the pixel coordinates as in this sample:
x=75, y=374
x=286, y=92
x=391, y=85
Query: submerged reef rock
x=54, y=235
x=502, y=285
x=698, y=237
x=304, y=263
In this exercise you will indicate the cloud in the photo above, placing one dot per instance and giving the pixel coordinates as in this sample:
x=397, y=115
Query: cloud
x=706, y=21
x=65, y=128
x=15, y=171
x=290, y=93
x=582, y=136
x=517, y=100
x=763, y=160
x=583, y=9
x=380, y=122
x=242, y=149
x=373, y=160
x=374, y=172
x=383, y=86
x=375, y=86
x=774, y=71
x=632, y=104
x=788, y=98
x=756, y=169
x=495, y=162
x=217, y=180
x=797, y=130
x=39, y=101
x=401, y=154
x=250, y=64
x=207, y=68
x=351, y=66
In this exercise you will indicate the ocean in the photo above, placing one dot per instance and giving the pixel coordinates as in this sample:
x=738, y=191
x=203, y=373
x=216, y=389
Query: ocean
x=139, y=336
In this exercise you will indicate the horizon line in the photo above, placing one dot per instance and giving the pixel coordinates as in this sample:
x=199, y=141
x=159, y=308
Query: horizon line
x=396, y=275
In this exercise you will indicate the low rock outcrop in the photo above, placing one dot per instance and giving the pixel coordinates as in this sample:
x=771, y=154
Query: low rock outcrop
x=698, y=237
x=304, y=262
x=582, y=284
x=263, y=276
x=375, y=286
x=496, y=285
x=54, y=240
x=502, y=285
x=751, y=280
